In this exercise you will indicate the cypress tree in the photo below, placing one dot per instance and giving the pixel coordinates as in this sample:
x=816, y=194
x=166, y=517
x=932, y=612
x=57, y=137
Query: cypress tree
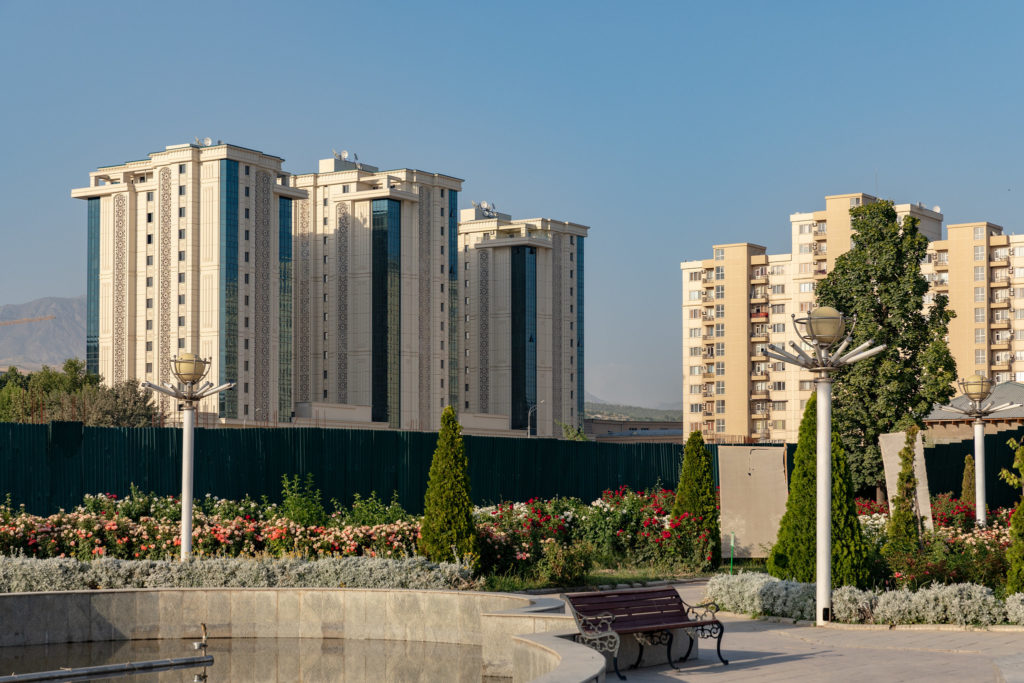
x=1015, y=553
x=695, y=492
x=447, y=532
x=967, y=484
x=793, y=556
x=903, y=534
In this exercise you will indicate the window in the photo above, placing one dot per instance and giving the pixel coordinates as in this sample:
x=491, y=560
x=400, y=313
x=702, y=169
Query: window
x=149, y=196
x=149, y=239
x=979, y=273
x=979, y=335
x=149, y=346
x=696, y=370
x=694, y=295
x=247, y=258
x=778, y=386
x=695, y=351
x=720, y=426
x=149, y=324
x=979, y=295
x=181, y=299
x=570, y=274
x=719, y=329
x=806, y=248
x=979, y=252
x=778, y=289
x=181, y=277
x=719, y=291
x=181, y=168
x=979, y=356
x=719, y=310
x=149, y=303
x=181, y=343
x=807, y=287
x=806, y=384
x=719, y=272
x=149, y=368
x=694, y=332
x=720, y=388
x=720, y=367
x=246, y=347
x=979, y=233
x=246, y=170
x=149, y=281
x=778, y=308
x=247, y=325
x=720, y=407
x=246, y=278
x=181, y=212
x=181, y=321
x=181, y=190
x=149, y=217
x=805, y=228
x=979, y=315
x=695, y=276
x=719, y=254
x=181, y=256
x=778, y=327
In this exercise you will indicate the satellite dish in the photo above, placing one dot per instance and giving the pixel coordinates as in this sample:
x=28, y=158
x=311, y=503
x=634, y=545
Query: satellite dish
x=207, y=142
x=475, y=204
x=485, y=206
x=344, y=154
x=937, y=209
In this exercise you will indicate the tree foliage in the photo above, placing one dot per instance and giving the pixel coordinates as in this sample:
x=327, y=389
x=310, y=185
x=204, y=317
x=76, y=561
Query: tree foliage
x=967, y=484
x=1015, y=553
x=793, y=556
x=903, y=532
x=448, y=533
x=880, y=282
x=571, y=433
x=71, y=394
x=695, y=493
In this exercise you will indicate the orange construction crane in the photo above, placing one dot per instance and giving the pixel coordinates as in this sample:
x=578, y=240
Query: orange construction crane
x=26, y=320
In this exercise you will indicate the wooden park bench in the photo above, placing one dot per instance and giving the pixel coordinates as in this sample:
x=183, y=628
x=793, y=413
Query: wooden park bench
x=648, y=614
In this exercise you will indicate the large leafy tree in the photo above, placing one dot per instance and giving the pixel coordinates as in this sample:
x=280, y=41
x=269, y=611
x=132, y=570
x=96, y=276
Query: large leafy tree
x=880, y=282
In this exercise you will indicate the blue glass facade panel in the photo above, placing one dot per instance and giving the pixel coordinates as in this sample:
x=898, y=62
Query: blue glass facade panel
x=524, y=335
x=92, y=289
x=386, y=284
x=579, y=331
x=284, y=260
x=228, y=400
x=453, y=299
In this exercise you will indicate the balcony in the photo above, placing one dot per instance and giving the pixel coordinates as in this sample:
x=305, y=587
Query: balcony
x=1000, y=366
x=758, y=315
x=998, y=261
x=761, y=298
x=708, y=374
x=942, y=285
x=759, y=280
x=759, y=375
x=759, y=337
x=1003, y=281
x=759, y=393
x=763, y=415
x=1001, y=344
x=1003, y=302
x=820, y=234
x=1001, y=324
x=941, y=265
x=820, y=272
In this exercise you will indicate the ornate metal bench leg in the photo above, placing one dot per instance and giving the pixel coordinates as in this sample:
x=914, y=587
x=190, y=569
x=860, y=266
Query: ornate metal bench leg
x=640, y=655
x=615, y=663
x=689, y=648
x=668, y=649
x=721, y=630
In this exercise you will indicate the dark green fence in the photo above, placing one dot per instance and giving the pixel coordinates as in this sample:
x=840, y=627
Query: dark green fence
x=47, y=467
x=944, y=463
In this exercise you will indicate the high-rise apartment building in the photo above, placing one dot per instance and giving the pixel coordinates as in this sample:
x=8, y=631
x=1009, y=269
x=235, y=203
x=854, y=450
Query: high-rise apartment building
x=190, y=249
x=377, y=293
x=346, y=297
x=522, y=320
x=740, y=300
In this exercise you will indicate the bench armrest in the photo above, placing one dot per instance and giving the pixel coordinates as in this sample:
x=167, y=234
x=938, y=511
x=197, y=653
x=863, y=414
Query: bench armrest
x=702, y=612
x=593, y=625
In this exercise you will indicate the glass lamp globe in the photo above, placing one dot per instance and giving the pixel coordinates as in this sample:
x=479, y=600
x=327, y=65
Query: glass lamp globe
x=189, y=368
x=977, y=387
x=825, y=325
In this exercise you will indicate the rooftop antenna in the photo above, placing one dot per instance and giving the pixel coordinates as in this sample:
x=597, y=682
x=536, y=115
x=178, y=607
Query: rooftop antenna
x=207, y=142
x=355, y=156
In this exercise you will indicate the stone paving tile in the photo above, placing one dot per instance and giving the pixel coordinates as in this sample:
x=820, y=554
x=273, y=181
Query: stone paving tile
x=767, y=652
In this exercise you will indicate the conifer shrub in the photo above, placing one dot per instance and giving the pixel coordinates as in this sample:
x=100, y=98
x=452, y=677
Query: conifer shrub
x=793, y=555
x=448, y=533
x=695, y=493
x=1015, y=553
x=903, y=532
x=967, y=484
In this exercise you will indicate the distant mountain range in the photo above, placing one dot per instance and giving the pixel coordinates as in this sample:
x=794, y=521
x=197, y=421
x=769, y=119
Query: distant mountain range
x=31, y=345
x=611, y=411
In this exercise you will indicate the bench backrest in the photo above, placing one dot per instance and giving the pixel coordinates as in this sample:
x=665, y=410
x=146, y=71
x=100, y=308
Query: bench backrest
x=631, y=608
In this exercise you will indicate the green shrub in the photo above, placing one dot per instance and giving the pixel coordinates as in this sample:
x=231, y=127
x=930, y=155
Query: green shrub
x=448, y=532
x=903, y=532
x=695, y=493
x=370, y=511
x=300, y=501
x=793, y=556
x=967, y=485
x=565, y=565
x=1015, y=553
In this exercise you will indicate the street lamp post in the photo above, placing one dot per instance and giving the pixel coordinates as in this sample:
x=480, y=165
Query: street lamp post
x=823, y=330
x=190, y=370
x=531, y=416
x=978, y=388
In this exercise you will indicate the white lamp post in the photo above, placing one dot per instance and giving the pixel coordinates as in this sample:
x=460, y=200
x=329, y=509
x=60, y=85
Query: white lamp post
x=190, y=370
x=978, y=388
x=823, y=330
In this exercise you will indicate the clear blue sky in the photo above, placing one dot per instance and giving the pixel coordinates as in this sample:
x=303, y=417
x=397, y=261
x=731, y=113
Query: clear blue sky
x=666, y=127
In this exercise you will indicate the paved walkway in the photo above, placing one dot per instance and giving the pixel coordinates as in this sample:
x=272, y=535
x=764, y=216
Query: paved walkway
x=763, y=651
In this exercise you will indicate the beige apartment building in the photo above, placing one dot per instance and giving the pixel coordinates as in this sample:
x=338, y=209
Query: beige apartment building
x=522, y=322
x=742, y=299
x=190, y=249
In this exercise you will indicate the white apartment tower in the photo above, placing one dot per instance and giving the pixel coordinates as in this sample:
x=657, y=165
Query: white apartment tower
x=190, y=249
x=522, y=320
x=377, y=293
